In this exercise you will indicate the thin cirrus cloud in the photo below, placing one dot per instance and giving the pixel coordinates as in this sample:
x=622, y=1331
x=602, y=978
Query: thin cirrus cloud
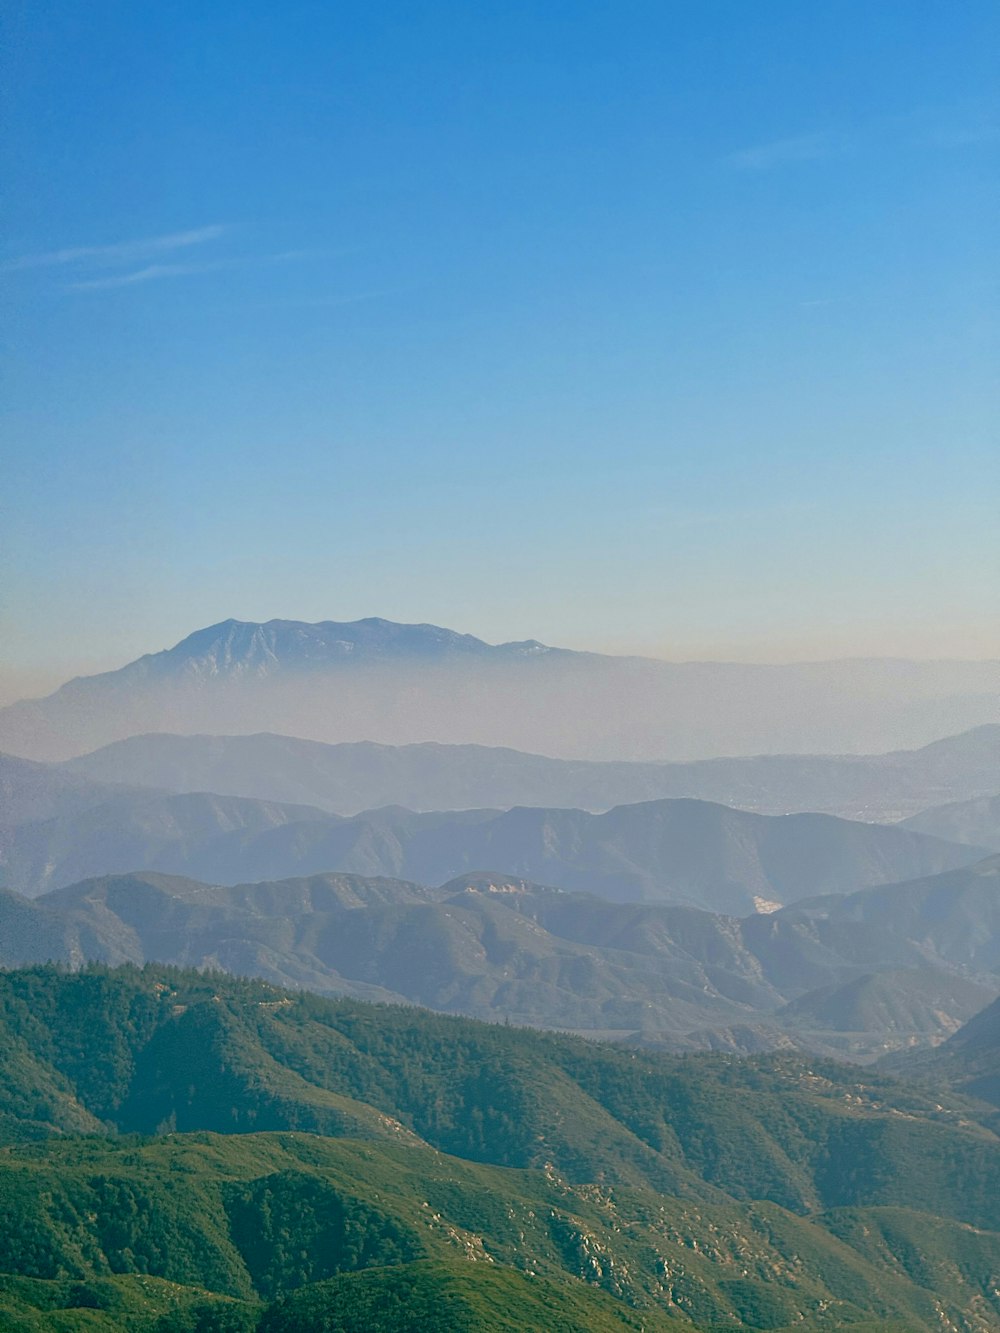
x=135, y=262
x=154, y=272
x=784, y=152
x=149, y=274
x=119, y=252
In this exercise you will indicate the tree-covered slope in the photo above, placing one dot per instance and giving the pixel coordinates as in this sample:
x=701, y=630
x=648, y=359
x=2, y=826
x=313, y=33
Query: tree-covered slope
x=331, y=1230
x=454, y=1297
x=141, y=1050
x=702, y=1189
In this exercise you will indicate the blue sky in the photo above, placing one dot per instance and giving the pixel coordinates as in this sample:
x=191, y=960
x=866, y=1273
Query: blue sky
x=664, y=327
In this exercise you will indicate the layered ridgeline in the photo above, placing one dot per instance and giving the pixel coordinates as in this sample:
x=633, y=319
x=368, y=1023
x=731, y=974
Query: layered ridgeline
x=350, y=778
x=373, y=680
x=973, y=821
x=685, y=851
x=320, y=1165
x=876, y=971
x=969, y=1061
x=30, y=792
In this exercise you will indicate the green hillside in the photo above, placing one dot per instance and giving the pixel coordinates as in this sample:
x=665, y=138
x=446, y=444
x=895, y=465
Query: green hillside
x=306, y=1161
x=260, y=1216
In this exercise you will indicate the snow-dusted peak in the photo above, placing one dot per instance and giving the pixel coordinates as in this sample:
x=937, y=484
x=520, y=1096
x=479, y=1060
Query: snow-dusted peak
x=238, y=648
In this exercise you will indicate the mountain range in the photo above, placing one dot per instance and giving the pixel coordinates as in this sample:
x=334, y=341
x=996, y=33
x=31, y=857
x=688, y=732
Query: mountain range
x=350, y=778
x=373, y=680
x=309, y=1165
x=726, y=876
x=827, y=961
x=969, y=1061
x=686, y=851
x=976, y=820
x=956, y=914
x=854, y=976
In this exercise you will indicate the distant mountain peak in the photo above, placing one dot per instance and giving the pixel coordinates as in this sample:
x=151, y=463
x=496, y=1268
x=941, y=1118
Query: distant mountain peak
x=238, y=646
x=379, y=680
x=233, y=649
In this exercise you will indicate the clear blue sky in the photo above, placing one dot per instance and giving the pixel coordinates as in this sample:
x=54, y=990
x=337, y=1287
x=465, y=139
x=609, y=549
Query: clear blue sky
x=658, y=326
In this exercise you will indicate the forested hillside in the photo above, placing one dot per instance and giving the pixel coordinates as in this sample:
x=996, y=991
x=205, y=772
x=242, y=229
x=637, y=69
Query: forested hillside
x=299, y=1141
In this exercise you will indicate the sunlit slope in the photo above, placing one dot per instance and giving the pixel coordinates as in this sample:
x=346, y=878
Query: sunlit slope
x=336, y=1230
x=708, y=1190
x=144, y=1049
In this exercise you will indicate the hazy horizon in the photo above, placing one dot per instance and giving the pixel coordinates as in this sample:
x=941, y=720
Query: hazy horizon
x=28, y=683
x=647, y=329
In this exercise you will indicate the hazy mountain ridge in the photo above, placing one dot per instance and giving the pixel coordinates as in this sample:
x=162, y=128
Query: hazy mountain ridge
x=141, y=828
x=685, y=851
x=240, y=648
x=955, y=915
x=902, y=1003
x=31, y=791
x=395, y=684
x=350, y=778
x=976, y=820
x=969, y=1061
x=494, y=948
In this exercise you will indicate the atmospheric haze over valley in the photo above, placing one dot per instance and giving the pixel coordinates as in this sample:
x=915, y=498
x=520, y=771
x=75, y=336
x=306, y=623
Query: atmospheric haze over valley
x=373, y=680
x=733, y=1016
x=514, y=877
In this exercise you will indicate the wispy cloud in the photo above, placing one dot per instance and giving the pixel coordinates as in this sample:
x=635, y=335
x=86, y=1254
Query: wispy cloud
x=784, y=152
x=155, y=272
x=174, y=254
x=149, y=274
x=119, y=252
